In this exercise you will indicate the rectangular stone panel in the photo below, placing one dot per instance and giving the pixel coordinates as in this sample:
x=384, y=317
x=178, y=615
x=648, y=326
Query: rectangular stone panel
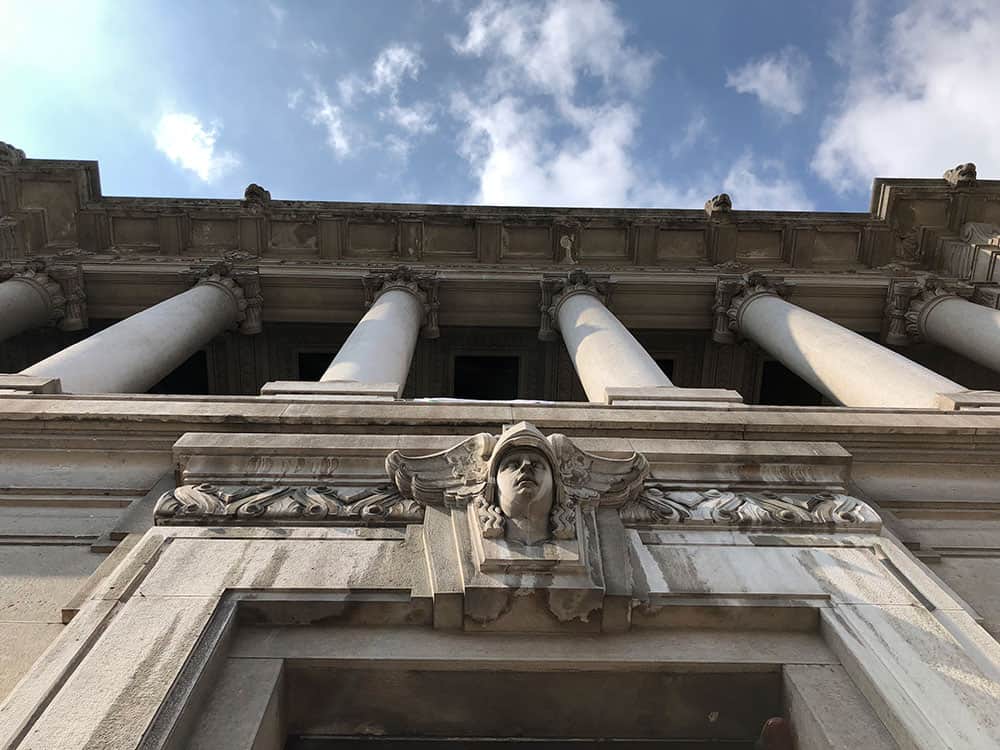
x=59, y=200
x=371, y=239
x=604, y=243
x=129, y=231
x=677, y=246
x=758, y=245
x=293, y=238
x=450, y=240
x=526, y=242
x=214, y=233
x=835, y=248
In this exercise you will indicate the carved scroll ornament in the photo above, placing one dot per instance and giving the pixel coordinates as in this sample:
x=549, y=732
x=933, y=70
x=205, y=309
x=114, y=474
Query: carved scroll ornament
x=661, y=505
x=209, y=503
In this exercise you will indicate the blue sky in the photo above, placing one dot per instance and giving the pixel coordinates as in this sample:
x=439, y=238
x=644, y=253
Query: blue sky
x=785, y=105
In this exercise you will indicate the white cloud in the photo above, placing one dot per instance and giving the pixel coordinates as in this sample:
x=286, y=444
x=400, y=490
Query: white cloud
x=278, y=12
x=779, y=80
x=190, y=144
x=764, y=186
x=415, y=120
x=551, y=46
x=392, y=65
x=918, y=99
x=294, y=98
x=323, y=112
x=697, y=127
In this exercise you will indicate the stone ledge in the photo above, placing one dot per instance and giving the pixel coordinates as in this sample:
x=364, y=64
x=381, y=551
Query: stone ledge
x=332, y=388
x=620, y=396
x=29, y=384
x=969, y=400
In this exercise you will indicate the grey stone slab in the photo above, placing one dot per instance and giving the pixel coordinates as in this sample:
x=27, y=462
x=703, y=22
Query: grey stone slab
x=25, y=643
x=828, y=712
x=242, y=708
x=37, y=580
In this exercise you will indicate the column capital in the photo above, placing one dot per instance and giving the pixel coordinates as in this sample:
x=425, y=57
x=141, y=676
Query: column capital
x=243, y=284
x=732, y=293
x=910, y=300
x=61, y=286
x=421, y=284
x=557, y=289
x=987, y=295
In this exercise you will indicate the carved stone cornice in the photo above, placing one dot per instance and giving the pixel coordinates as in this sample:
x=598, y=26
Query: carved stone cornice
x=661, y=505
x=961, y=175
x=909, y=302
x=62, y=289
x=9, y=155
x=243, y=285
x=269, y=505
x=422, y=285
x=731, y=296
x=557, y=289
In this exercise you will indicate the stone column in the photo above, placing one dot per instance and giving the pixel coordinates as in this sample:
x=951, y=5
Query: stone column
x=939, y=312
x=845, y=366
x=603, y=351
x=136, y=353
x=380, y=347
x=36, y=296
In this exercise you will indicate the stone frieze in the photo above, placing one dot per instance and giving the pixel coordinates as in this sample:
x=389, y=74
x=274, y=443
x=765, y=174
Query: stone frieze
x=215, y=504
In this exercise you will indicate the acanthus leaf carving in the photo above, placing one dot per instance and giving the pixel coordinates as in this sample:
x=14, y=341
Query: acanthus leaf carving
x=732, y=293
x=221, y=504
x=555, y=289
x=660, y=504
x=421, y=284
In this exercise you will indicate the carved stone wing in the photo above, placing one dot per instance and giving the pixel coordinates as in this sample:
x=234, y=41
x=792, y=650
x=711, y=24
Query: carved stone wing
x=449, y=477
x=608, y=481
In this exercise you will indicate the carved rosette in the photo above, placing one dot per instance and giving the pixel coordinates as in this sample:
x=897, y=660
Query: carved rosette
x=556, y=290
x=731, y=296
x=423, y=286
x=209, y=503
x=910, y=301
x=243, y=285
x=661, y=505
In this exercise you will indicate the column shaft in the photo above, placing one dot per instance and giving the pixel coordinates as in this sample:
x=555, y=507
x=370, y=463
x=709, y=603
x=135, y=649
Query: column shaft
x=136, y=353
x=844, y=365
x=381, y=345
x=603, y=351
x=967, y=328
x=23, y=306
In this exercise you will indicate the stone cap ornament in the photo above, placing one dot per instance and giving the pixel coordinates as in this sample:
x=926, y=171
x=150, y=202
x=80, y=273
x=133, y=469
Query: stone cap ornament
x=9, y=155
x=962, y=174
x=523, y=487
x=256, y=199
x=717, y=205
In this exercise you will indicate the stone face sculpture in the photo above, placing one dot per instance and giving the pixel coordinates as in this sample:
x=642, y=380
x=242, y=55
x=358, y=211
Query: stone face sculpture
x=523, y=487
x=963, y=174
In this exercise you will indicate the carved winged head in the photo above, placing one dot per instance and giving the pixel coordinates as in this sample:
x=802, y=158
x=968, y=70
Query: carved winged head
x=962, y=174
x=522, y=485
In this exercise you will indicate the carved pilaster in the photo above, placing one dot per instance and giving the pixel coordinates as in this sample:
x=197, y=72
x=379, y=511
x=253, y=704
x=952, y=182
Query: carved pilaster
x=8, y=238
x=423, y=286
x=909, y=301
x=243, y=285
x=732, y=294
x=555, y=290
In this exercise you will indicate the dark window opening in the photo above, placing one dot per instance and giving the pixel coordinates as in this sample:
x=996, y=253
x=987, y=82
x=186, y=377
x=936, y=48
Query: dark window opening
x=487, y=378
x=312, y=365
x=667, y=366
x=188, y=378
x=779, y=386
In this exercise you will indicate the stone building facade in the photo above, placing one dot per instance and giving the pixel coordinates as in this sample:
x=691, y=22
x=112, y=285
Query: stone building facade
x=289, y=474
